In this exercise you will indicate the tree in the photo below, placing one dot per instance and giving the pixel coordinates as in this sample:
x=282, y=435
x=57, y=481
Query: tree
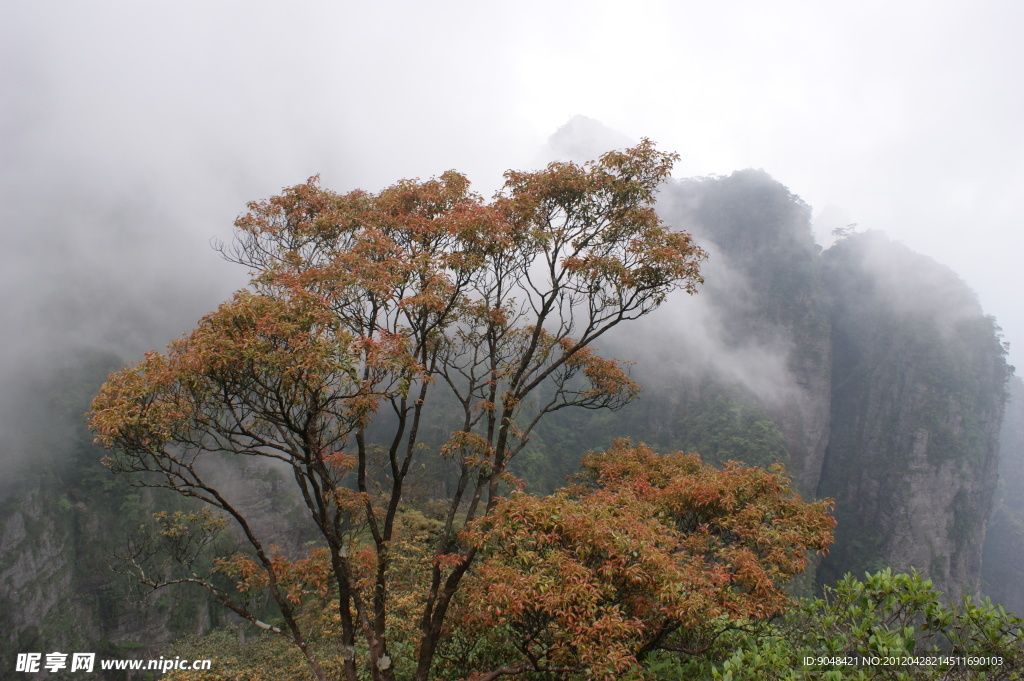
x=644, y=553
x=368, y=316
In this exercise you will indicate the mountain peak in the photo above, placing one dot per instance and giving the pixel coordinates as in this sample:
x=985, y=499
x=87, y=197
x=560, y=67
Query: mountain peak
x=583, y=139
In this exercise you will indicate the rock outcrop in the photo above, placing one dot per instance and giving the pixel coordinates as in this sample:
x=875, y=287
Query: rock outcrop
x=870, y=371
x=918, y=385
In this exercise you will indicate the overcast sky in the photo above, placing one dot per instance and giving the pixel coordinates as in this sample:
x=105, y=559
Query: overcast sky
x=134, y=131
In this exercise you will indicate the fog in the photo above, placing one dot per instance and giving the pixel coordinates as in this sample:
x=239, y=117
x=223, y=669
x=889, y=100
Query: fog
x=132, y=134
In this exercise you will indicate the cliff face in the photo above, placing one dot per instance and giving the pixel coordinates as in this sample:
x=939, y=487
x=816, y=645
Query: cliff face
x=768, y=298
x=742, y=370
x=917, y=401
x=870, y=371
x=1003, y=562
x=65, y=520
x=59, y=590
x=62, y=520
x=35, y=572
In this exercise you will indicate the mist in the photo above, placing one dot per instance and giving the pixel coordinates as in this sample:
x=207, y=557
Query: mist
x=131, y=135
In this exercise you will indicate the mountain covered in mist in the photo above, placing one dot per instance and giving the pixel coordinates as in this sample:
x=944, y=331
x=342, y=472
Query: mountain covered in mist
x=869, y=371
x=887, y=382
x=891, y=379
x=918, y=392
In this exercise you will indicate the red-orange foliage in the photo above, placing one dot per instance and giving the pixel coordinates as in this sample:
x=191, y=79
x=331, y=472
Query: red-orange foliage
x=645, y=552
x=364, y=303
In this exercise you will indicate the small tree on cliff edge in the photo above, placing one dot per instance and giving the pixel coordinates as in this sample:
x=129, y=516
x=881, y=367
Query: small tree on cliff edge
x=363, y=304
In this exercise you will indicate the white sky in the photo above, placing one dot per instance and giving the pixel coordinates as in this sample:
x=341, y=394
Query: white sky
x=905, y=116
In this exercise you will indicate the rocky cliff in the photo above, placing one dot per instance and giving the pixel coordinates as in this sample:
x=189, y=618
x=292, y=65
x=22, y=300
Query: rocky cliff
x=918, y=387
x=870, y=371
x=62, y=520
x=1002, y=567
x=65, y=519
x=765, y=302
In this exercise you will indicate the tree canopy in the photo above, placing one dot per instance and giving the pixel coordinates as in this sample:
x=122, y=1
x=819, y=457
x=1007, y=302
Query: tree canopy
x=645, y=552
x=376, y=319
